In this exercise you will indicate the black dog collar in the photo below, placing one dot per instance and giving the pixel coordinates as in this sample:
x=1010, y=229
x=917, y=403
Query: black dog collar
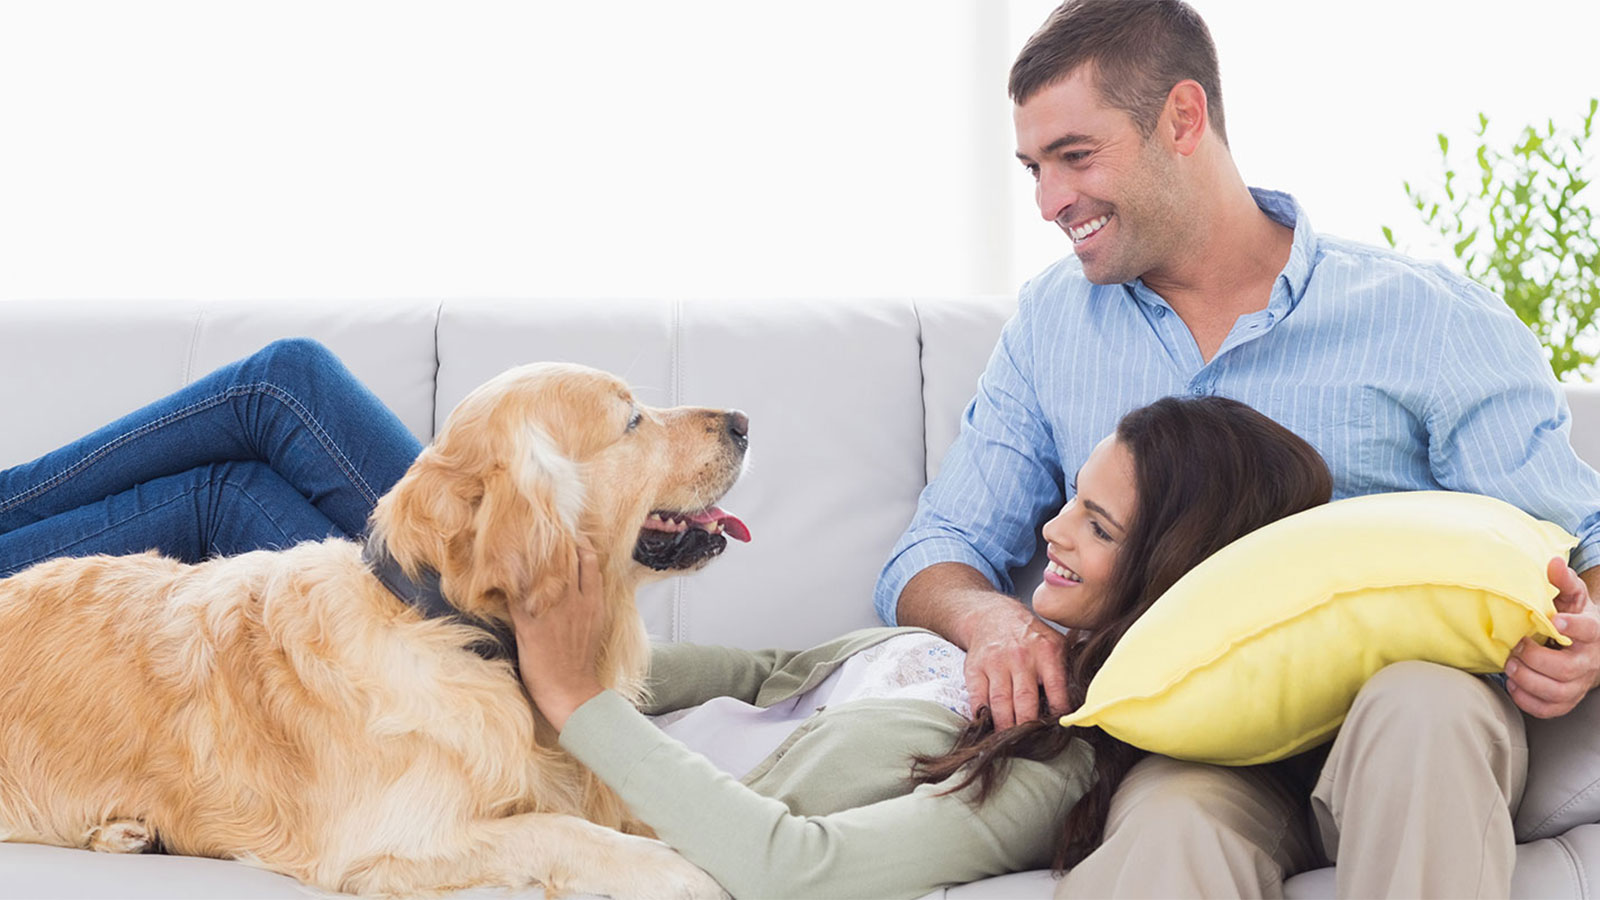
x=425, y=597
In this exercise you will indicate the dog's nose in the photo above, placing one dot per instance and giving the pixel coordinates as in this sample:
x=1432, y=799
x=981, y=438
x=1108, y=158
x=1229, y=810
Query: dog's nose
x=739, y=427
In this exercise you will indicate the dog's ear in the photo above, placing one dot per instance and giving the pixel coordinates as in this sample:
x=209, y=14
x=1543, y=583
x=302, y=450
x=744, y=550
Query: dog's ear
x=496, y=516
x=525, y=529
x=424, y=519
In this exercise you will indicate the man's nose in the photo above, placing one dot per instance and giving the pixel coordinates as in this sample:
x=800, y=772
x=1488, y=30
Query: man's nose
x=1054, y=193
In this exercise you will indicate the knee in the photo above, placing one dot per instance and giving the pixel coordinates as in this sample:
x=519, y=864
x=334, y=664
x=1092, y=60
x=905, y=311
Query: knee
x=1426, y=702
x=297, y=354
x=1176, y=799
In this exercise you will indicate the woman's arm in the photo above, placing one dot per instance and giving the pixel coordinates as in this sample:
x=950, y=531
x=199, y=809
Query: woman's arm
x=903, y=846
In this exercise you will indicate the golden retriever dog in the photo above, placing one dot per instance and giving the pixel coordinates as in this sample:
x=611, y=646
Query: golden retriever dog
x=286, y=709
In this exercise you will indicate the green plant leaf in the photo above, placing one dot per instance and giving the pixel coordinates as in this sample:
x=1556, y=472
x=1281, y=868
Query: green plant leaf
x=1528, y=233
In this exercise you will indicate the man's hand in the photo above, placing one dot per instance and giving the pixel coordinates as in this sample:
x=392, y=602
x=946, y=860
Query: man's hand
x=558, y=648
x=1549, y=681
x=1010, y=654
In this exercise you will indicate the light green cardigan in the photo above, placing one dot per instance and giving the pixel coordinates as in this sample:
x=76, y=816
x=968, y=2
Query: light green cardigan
x=831, y=812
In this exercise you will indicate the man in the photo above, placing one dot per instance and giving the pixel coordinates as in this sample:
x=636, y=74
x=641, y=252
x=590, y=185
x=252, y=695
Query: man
x=1404, y=375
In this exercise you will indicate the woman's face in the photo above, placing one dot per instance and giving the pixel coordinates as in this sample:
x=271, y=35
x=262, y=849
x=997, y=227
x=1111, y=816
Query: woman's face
x=1085, y=538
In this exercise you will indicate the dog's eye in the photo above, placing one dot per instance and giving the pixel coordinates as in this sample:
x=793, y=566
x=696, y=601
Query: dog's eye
x=634, y=422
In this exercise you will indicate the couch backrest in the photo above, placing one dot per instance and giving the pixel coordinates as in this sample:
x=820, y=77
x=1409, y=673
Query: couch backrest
x=852, y=406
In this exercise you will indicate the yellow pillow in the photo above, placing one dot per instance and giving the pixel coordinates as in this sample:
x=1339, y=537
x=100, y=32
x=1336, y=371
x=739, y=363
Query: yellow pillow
x=1258, y=652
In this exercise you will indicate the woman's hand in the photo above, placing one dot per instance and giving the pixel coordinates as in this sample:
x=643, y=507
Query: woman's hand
x=557, y=649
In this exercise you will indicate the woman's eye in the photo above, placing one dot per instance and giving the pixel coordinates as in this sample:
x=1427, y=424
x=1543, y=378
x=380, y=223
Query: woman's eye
x=1099, y=532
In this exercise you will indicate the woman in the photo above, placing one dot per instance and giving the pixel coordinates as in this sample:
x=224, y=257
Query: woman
x=887, y=789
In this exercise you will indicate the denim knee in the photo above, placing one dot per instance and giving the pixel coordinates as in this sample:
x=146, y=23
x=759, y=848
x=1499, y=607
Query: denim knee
x=296, y=356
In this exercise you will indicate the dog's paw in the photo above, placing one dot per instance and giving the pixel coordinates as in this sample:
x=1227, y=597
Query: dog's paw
x=671, y=877
x=645, y=869
x=119, y=836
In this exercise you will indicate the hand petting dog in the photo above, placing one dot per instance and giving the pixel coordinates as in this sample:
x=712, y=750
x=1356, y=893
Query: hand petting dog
x=1547, y=682
x=558, y=649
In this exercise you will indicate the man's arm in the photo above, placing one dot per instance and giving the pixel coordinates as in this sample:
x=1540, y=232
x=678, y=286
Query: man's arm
x=1503, y=430
x=976, y=521
x=1010, y=652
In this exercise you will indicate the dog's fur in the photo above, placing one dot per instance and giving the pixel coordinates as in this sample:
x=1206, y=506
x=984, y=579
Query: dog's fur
x=284, y=709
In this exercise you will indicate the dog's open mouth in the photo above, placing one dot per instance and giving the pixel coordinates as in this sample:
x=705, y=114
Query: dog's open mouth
x=684, y=540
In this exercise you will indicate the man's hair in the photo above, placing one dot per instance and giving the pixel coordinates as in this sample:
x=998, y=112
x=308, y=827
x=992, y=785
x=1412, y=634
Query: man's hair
x=1138, y=50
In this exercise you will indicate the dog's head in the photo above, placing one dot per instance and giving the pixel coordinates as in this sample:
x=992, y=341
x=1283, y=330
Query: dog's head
x=544, y=453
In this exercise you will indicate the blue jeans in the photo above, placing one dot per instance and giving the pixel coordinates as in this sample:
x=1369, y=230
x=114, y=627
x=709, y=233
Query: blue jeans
x=280, y=447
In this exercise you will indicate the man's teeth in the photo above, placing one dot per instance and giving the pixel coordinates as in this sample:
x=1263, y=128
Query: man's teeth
x=1087, y=228
x=1063, y=571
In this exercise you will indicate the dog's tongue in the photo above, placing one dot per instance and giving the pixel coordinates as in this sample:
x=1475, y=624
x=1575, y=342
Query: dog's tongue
x=731, y=526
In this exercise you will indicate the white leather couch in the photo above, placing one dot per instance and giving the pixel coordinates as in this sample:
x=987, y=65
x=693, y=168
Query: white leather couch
x=852, y=405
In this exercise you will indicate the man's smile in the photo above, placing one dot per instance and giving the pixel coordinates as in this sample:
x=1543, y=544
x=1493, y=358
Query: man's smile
x=1085, y=230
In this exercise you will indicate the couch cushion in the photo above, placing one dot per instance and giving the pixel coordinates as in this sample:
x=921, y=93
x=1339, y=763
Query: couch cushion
x=35, y=872
x=833, y=391
x=72, y=367
x=1563, y=787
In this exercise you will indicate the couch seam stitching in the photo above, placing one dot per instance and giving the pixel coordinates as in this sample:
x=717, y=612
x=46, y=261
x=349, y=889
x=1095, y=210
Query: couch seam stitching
x=194, y=347
x=1538, y=830
x=433, y=409
x=680, y=628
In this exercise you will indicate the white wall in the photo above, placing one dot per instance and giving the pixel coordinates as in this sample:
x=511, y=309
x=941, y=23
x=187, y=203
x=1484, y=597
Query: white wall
x=356, y=148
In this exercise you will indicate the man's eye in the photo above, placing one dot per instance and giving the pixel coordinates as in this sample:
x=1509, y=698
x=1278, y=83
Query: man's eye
x=1075, y=156
x=1033, y=171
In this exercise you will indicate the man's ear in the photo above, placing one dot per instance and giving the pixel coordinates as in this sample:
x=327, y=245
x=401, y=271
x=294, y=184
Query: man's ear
x=1187, y=115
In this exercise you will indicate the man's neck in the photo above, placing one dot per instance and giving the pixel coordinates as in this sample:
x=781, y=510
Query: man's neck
x=1228, y=271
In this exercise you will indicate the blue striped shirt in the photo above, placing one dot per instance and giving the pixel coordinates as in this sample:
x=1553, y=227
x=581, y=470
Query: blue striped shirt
x=1405, y=375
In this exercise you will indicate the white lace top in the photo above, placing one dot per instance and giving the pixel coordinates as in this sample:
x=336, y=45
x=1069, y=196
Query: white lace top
x=737, y=736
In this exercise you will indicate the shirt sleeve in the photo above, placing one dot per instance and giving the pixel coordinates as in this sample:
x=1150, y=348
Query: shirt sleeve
x=1499, y=424
x=1001, y=474
x=905, y=846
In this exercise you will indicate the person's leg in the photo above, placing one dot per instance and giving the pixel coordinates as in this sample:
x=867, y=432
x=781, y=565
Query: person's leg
x=293, y=405
x=190, y=516
x=1181, y=829
x=1417, y=796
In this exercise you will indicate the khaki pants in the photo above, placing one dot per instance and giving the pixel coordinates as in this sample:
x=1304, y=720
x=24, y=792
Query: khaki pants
x=1414, y=799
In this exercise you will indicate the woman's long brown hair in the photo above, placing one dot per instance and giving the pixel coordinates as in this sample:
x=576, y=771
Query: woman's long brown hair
x=1207, y=470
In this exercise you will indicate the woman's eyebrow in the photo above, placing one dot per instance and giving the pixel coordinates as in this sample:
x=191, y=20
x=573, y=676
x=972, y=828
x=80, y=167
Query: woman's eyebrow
x=1099, y=510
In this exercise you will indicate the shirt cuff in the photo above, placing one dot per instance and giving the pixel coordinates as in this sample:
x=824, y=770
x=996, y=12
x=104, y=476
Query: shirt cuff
x=1586, y=557
x=922, y=554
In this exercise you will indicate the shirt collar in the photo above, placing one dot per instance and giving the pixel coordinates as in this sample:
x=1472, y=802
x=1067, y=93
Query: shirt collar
x=1296, y=275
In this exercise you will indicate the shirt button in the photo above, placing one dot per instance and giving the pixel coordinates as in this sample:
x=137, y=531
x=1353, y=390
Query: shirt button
x=1161, y=312
x=1197, y=390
